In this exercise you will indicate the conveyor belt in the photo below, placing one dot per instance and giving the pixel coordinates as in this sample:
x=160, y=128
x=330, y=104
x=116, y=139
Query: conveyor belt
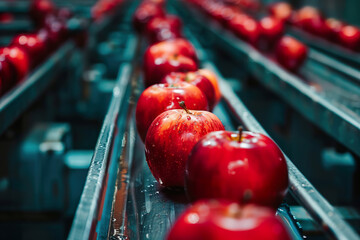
x=141, y=210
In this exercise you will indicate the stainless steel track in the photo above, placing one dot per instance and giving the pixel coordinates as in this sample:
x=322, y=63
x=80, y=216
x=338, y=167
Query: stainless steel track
x=87, y=213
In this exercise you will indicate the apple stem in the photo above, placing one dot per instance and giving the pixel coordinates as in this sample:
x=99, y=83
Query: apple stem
x=240, y=129
x=182, y=104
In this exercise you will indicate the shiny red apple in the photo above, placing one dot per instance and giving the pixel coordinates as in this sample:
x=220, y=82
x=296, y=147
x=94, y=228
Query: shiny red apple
x=349, y=37
x=251, y=160
x=33, y=45
x=163, y=28
x=220, y=220
x=159, y=98
x=19, y=59
x=170, y=138
x=156, y=70
x=281, y=10
x=271, y=30
x=177, y=46
x=144, y=13
x=196, y=79
x=291, y=53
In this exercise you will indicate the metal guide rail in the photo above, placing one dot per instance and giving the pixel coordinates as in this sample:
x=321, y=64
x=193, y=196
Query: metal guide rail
x=18, y=99
x=98, y=191
x=315, y=92
x=327, y=47
x=106, y=151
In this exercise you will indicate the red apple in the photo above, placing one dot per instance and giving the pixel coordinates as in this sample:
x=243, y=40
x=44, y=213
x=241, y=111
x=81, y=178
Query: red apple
x=163, y=28
x=144, y=13
x=7, y=75
x=159, y=98
x=196, y=79
x=163, y=64
x=220, y=220
x=349, y=37
x=333, y=28
x=251, y=160
x=19, y=59
x=39, y=10
x=213, y=79
x=178, y=46
x=271, y=30
x=246, y=28
x=170, y=138
x=291, y=53
x=33, y=45
x=281, y=11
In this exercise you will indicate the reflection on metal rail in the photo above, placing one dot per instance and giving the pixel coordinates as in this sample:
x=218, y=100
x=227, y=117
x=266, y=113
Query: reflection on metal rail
x=88, y=209
x=18, y=99
x=303, y=191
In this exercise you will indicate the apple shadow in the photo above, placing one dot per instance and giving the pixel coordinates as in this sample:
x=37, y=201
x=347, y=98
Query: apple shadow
x=176, y=195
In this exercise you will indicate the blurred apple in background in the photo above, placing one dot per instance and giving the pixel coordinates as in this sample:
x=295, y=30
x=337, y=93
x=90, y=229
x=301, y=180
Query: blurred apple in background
x=291, y=53
x=39, y=10
x=163, y=28
x=144, y=13
x=33, y=45
x=271, y=30
x=178, y=46
x=245, y=28
x=7, y=75
x=333, y=28
x=349, y=37
x=156, y=70
x=281, y=11
x=6, y=17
